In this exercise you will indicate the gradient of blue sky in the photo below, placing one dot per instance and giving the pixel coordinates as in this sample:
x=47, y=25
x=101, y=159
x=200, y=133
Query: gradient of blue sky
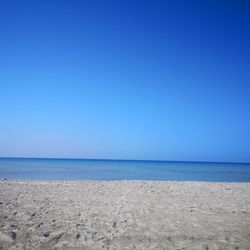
x=167, y=80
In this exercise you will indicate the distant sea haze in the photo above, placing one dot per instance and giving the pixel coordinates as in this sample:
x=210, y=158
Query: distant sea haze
x=79, y=169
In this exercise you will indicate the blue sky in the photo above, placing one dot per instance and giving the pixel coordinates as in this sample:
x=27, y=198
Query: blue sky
x=165, y=80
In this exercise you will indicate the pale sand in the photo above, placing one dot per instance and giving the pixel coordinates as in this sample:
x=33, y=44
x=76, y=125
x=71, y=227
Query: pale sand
x=124, y=215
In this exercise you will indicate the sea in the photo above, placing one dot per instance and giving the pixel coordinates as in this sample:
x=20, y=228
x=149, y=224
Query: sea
x=82, y=169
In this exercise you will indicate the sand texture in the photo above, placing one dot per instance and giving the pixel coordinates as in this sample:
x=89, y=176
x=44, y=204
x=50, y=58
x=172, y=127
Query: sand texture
x=124, y=215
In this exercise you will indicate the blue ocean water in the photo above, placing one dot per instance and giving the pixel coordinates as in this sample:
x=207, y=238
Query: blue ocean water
x=77, y=169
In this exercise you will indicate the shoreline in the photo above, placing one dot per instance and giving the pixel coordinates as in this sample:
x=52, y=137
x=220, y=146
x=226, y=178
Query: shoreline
x=124, y=214
x=120, y=180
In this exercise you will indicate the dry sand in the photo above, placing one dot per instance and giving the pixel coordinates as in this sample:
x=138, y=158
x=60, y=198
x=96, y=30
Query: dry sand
x=124, y=215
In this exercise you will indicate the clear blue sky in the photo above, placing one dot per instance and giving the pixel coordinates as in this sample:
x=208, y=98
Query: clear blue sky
x=166, y=80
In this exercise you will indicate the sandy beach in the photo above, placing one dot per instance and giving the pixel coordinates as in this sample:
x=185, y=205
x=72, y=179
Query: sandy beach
x=124, y=215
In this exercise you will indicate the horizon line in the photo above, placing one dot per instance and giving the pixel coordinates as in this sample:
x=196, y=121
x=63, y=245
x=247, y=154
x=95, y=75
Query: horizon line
x=114, y=159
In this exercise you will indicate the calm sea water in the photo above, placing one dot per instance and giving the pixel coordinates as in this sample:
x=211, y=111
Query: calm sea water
x=68, y=169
